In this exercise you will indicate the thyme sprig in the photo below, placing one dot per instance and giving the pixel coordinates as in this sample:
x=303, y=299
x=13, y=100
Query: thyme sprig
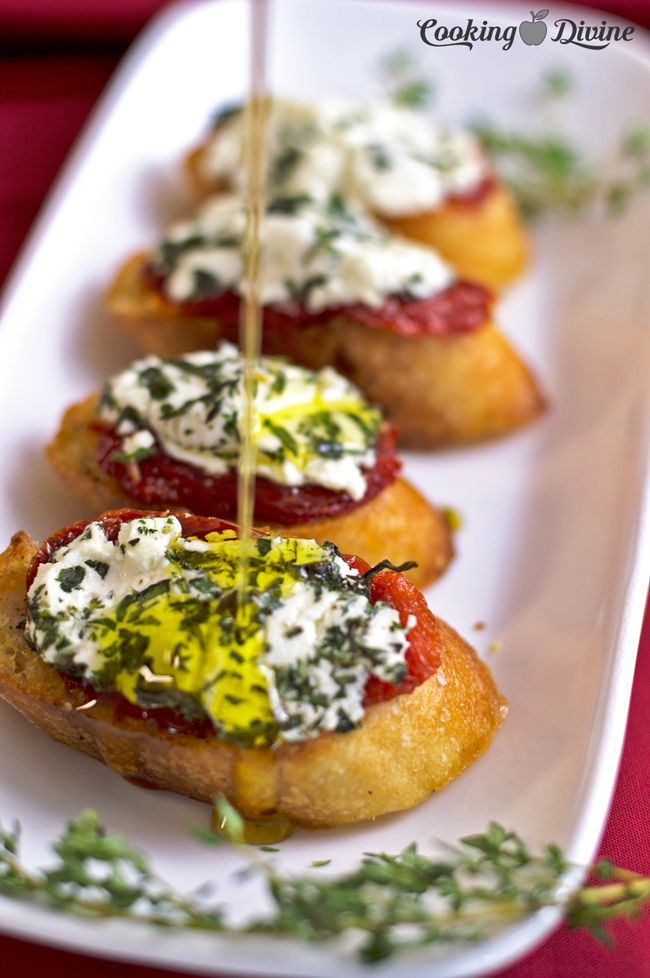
x=546, y=173
x=98, y=876
x=393, y=903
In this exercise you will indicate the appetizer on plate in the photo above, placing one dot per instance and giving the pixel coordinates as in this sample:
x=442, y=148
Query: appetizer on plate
x=337, y=289
x=167, y=433
x=330, y=694
x=430, y=183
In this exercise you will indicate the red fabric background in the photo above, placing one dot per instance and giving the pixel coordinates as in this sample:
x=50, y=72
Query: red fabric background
x=55, y=58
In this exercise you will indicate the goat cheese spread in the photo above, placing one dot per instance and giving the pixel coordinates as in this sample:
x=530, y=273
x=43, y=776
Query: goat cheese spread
x=308, y=428
x=154, y=616
x=391, y=159
x=324, y=254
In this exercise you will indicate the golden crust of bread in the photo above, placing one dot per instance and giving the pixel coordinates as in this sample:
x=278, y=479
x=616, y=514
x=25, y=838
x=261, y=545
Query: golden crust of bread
x=398, y=524
x=158, y=325
x=404, y=749
x=439, y=390
x=485, y=241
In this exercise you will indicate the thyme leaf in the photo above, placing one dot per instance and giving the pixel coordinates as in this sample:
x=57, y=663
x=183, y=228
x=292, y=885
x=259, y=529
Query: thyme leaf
x=404, y=81
x=388, y=565
x=546, y=173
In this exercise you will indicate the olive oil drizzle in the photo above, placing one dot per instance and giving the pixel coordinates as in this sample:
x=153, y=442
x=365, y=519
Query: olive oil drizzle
x=250, y=324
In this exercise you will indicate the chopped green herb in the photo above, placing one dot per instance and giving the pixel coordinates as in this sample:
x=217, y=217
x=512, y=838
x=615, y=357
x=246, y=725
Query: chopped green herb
x=288, y=205
x=99, y=566
x=70, y=578
x=137, y=456
x=283, y=164
x=156, y=382
x=284, y=437
x=264, y=545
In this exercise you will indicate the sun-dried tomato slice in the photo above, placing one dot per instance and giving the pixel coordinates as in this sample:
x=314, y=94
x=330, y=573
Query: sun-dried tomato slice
x=160, y=480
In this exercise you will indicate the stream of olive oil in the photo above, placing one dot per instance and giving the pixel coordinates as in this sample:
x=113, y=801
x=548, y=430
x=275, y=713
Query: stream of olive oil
x=250, y=324
x=250, y=781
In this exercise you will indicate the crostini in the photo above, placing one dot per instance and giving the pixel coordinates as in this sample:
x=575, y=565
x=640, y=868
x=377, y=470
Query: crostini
x=167, y=434
x=337, y=697
x=337, y=289
x=428, y=182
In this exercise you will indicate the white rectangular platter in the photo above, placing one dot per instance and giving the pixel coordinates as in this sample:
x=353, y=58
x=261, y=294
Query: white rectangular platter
x=554, y=554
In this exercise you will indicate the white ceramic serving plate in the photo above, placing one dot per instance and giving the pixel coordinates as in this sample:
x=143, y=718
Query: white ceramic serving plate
x=554, y=555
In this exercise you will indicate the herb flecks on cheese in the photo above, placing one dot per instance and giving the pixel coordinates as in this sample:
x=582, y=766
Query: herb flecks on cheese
x=308, y=427
x=154, y=616
x=391, y=159
x=324, y=254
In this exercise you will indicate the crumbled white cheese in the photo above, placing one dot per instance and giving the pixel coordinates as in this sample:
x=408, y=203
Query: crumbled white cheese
x=392, y=159
x=137, y=441
x=93, y=572
x=308, y=428
x=326, y=255
x=97, y=608
x=318, y=690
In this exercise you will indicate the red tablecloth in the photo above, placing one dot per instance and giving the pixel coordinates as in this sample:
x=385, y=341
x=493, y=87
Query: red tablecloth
x=43, y=103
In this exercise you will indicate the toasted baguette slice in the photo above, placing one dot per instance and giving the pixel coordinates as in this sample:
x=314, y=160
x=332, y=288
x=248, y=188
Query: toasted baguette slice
x=398, y=524
x=439, y=390
x=485, y=241
x=404, y=749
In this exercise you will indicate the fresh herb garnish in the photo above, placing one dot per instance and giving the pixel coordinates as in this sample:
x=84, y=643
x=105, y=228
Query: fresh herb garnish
x=288, y=205
x=99, y=566
x=223, y=116
x=283, y=164
x=404, y=82
x=557, y=82
x=394, y=902
x=548, y=174
x=70, y=578
x=156, y=382
x=388, y=565
x=136, y=456
x=264, y=545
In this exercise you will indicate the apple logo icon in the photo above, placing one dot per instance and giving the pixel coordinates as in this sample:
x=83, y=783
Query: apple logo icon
x=534, y=32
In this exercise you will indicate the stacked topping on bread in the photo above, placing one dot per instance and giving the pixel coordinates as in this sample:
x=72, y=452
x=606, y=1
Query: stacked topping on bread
x=153, y=614
x=308, y=428
x=391, y=159
x=320, y=254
